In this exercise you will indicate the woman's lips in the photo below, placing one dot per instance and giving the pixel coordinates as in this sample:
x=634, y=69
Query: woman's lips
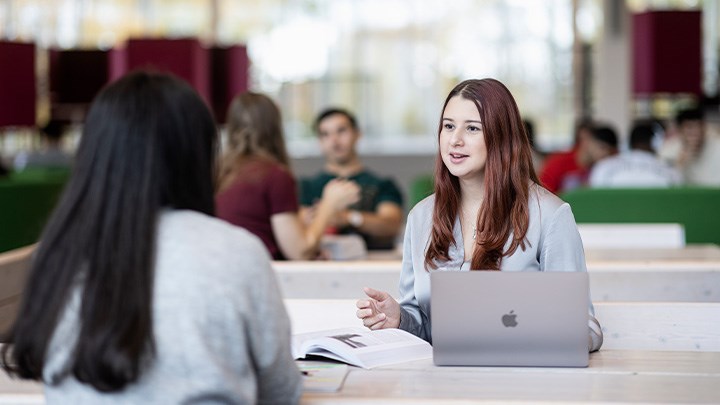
x=457, y=158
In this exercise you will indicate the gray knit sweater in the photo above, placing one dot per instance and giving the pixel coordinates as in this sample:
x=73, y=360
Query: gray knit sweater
x=221, y=331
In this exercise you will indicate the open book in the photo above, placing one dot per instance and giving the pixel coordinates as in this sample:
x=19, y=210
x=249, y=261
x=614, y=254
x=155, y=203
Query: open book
x=361, y=347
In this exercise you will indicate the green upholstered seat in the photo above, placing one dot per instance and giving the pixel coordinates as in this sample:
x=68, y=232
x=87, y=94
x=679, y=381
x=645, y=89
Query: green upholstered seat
x=25, y=205
x=420, y=188
x=697, y=209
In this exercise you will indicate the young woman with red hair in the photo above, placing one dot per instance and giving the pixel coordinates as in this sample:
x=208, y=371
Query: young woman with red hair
x=488, y=211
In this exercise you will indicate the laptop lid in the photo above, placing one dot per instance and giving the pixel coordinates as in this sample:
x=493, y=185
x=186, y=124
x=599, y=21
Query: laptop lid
x=496, y=318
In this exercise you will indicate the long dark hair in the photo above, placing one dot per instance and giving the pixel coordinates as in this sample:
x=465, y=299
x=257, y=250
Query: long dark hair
x=149, y=142
x=508, y=174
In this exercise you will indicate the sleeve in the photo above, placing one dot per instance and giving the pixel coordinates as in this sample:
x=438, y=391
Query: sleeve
x=563, y=250
x=278, y=378
x=282, y=192
x=411, y=317
x=389, y=192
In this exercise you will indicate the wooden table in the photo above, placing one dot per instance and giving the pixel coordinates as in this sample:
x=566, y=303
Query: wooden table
x=618, y=376
x=690, y=374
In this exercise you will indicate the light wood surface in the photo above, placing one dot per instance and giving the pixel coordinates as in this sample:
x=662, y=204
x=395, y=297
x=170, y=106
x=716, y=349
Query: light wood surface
x=347, y=281
x=617, y=376
x=613, y=376
x=690, y=274
x=632, y=236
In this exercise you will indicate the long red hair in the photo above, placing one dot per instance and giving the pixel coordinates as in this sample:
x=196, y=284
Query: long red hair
x=508, y=174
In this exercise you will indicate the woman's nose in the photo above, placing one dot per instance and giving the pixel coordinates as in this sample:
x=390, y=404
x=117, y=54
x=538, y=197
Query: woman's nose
x=456, y=138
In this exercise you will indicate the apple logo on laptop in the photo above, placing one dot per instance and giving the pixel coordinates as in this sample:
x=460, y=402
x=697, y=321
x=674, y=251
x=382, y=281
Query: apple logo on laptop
x=509, y=319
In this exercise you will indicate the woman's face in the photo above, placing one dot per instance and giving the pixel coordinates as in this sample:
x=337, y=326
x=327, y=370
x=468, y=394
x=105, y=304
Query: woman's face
x=462, y=142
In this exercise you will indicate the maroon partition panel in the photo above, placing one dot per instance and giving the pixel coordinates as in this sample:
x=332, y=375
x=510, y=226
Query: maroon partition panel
x=76, y=76
x=117, y=63
x=229, y=77
x=667, y=52
x=17, y=84
x=185, y=58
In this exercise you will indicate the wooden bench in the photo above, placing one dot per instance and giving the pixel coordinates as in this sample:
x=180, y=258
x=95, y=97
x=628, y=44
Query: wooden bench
x=665, y=326
x=14, y=265
x=632, y=236
x=337, y=280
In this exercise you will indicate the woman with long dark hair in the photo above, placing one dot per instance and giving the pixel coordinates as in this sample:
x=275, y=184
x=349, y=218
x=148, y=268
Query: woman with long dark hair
x=488, y=211
x=257, y=189
x=136, y=293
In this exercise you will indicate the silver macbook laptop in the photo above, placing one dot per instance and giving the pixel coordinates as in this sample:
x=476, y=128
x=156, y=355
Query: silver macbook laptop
x=493, y=318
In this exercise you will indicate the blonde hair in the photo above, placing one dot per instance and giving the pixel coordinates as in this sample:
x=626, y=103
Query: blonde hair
x=254, y=131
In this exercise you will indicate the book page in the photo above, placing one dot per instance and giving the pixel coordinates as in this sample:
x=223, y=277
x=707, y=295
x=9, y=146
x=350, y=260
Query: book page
x=364, y=348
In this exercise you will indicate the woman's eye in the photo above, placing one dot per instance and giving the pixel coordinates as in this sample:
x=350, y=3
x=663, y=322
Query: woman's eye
x=448, y=126
x=473, y=128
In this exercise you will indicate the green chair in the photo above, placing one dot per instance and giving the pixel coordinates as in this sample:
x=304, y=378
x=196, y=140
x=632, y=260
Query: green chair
x=697, y=209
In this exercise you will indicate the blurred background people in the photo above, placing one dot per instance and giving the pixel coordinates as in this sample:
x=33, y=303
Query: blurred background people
x=603, y=144
x=538, y=157
x=639, y=166
x=50, y=155
x=257, y=190
x=691, y=151
x=378, y=215
x=567, y=170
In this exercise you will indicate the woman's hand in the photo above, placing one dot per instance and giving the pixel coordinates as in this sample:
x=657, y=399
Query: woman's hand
x=381, y=311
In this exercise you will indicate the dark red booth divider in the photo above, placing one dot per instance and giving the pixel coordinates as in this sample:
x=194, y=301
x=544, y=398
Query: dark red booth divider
x=229, y=77
x=667, y=52
x=17, y=84
x=185, y=58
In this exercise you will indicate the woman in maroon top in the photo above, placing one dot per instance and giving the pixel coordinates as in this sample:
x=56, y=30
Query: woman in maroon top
x=257, y=191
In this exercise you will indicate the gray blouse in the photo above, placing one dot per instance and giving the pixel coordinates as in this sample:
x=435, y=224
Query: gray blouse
x=554, y=245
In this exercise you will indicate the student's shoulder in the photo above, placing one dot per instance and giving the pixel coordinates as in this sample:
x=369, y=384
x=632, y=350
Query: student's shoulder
x=544, y=201
x=422, y=211
x=204, y=232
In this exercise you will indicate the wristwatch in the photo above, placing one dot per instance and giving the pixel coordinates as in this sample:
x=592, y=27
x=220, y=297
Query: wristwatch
x=355, y=218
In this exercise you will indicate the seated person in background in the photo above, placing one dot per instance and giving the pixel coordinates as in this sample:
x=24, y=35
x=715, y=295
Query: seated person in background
x=136, y=293
x=378, y=216
x=604, y=143
x=638, y=167
x=538, y=157
x=692, y=152
x=488, y=212
x=257, y=191
x=563, y=171
x=566, y=171
x=50, y=155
